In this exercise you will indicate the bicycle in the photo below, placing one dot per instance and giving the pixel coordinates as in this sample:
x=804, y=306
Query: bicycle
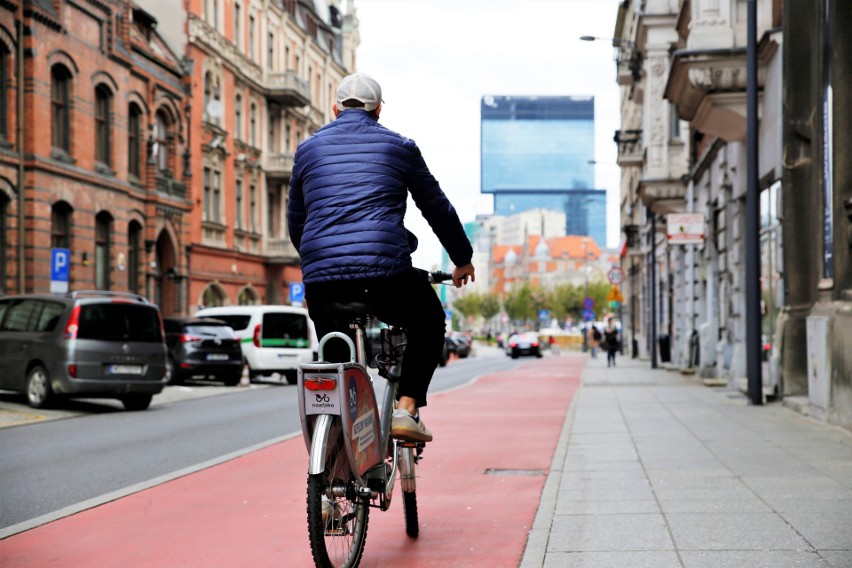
x=353, y=460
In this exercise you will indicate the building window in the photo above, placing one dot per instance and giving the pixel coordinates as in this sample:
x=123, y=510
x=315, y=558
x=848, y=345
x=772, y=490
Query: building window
x=288, y=132
x=206, y=197
x=134, y=137
x=103, y=236
x=61, y=107
x=674, y=123
x=5, y=61
x=103, y=125
x=270, y=51
x=273, y=125
x=238, y=209
x=273, y=212
x=212, y=297
x=60, y=225
x=238, y=117
x=251, y=38
x=161, y=142
x=217, y=191
x=286, y=58
x=253, y=125
x=237, y=21
x=253, y=209
x=134, y=256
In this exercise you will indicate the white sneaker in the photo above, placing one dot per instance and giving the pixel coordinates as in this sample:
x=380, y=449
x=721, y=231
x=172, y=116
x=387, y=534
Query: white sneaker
x=405, y=427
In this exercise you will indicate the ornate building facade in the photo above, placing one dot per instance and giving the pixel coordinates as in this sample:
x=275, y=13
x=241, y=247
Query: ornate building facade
x=93, y=150
x=681, y=65
x=264, y=74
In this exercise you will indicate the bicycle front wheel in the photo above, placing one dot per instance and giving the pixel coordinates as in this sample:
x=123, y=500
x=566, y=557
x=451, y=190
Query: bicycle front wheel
x=407, y=465
x=337, y=518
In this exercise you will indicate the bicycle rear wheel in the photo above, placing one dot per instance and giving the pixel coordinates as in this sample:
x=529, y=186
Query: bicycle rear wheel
x=407, y=476
x=337, y=518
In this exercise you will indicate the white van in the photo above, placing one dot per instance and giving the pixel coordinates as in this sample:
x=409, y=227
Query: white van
x=274, y=339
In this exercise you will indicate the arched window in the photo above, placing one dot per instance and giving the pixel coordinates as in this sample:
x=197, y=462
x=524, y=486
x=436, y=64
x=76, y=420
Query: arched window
x=103, y=242
x=213, y=296
x=134, y=256
x=60, y=225
x=161, y=155
x=247, y=297
x=134, y=140
x=103, y=125
x=60, y=98
x=238, y=117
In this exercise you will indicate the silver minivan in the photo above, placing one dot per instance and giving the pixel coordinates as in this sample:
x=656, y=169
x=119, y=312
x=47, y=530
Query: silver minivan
x=86, y=344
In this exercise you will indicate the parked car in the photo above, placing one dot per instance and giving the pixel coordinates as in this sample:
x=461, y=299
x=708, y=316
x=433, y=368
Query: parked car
x=523, y=344
x=203, y=348
x=82, y=344
x=274, y=339
x=462, y=343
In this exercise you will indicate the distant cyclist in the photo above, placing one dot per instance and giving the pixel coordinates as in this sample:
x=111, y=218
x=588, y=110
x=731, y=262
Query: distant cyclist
x=348, y=193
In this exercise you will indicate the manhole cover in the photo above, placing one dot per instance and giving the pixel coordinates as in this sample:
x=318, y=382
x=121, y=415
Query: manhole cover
x=496, y=471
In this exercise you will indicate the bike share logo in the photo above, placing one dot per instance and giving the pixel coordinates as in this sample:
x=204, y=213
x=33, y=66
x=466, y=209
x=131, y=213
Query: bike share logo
x=353, y=398
x=322, y=401
x=322, y=398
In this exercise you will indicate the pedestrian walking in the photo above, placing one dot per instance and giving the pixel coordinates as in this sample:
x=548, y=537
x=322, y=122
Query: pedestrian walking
x=610, y=337
x=594, y=340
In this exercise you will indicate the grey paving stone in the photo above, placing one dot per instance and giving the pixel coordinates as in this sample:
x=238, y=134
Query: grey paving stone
x=612, y=560
x=824, y=530
x=715, y=505
x=588, y=533
x=734, y=531
x=752, y=559
x=606, y=507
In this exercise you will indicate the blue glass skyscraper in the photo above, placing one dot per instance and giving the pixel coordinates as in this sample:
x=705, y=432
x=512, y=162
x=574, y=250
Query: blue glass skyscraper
x=535, y=152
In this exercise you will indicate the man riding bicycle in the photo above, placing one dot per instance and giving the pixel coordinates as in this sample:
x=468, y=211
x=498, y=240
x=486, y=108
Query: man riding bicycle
x=348, y=193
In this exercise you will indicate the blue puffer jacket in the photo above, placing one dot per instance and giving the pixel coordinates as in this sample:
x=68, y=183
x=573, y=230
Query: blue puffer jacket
x=348, y=197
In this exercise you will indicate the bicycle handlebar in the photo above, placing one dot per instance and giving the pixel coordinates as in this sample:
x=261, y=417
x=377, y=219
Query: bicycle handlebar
x=437, y=277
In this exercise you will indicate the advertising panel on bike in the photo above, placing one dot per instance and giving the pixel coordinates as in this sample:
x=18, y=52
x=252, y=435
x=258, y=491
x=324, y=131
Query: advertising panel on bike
x=362, y=423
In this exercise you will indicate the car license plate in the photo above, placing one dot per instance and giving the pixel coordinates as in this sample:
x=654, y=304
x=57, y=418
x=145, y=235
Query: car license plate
x=217, y=356
x=286, y=355
x=124, y=369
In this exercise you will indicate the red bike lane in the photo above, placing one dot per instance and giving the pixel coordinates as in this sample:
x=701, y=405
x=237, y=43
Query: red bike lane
x=478, y=490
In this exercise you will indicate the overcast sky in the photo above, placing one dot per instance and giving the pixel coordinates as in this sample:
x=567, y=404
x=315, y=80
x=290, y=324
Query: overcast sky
x=435, y=59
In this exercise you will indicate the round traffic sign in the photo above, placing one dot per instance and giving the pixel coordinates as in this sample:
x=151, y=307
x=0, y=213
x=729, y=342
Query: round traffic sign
x=615, y=275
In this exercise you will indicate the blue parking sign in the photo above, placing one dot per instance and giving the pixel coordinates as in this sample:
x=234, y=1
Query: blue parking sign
x=60, y=270
x=297, y=292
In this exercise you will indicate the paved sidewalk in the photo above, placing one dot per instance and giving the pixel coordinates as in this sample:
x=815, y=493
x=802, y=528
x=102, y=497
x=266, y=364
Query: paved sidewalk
x=655, y=470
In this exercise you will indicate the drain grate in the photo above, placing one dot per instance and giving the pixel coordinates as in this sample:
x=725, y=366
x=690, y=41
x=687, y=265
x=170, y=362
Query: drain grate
x=497, y=471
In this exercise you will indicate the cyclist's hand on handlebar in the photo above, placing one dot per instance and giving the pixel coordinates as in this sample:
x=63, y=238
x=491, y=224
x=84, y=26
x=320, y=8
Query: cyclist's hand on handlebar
x=462, y=273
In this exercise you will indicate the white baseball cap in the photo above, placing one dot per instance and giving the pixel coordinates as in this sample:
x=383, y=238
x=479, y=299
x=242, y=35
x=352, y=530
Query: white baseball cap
x=359, y=87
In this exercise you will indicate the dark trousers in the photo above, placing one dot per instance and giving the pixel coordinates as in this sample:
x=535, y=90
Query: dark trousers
x=610, y=355
x=406, y=300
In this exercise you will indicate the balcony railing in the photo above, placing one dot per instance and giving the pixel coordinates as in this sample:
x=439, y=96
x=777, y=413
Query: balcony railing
x=288, y=89
x=281, y=250
x=278, y=165
x=629, y=147
x=170, y=186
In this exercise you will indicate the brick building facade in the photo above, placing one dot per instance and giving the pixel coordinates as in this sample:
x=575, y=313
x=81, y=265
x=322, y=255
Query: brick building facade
x=100, y=154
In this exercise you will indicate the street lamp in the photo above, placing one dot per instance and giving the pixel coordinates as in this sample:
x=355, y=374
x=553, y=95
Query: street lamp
x=628, y=56
x=616, y=41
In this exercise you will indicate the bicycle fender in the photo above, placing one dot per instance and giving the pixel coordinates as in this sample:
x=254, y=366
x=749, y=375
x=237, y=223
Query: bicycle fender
x=319, y=444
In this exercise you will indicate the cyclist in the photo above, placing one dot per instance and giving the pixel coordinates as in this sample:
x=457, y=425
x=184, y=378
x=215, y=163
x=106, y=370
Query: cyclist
x=348, y=193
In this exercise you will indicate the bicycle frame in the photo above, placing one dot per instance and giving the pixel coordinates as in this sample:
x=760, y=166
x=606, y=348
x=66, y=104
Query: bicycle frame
x=341, y=395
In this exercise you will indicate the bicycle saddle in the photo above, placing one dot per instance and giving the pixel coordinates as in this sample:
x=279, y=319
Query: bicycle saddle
x=349, y=309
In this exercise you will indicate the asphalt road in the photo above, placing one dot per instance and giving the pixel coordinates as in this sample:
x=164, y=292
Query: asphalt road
x=92, y=452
